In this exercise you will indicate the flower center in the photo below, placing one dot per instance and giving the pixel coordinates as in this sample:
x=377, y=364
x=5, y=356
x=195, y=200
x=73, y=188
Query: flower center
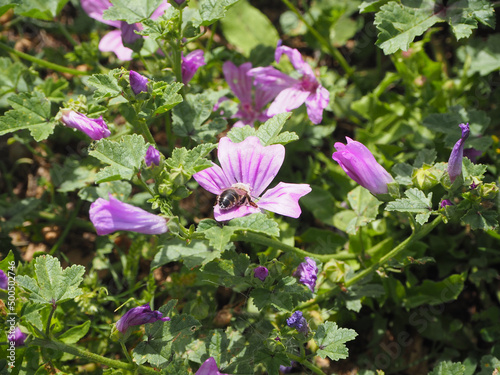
x=308, y=83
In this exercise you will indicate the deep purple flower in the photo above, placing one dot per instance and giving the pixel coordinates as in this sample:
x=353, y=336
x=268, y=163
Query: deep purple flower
x=292, y=93
x=250, y=167
x=472, y=154
x=138, y=82
x=209, y=367
x=251, y=107
x=445, y=202
x=152, y=156
x=298, y=322
x=191, y=63
x=260, y=273
x=307, y=273
x=456, y=156
x=18, y=337
x=110, y=216
x=360, y=165
x=113, y=40
x=4, y=280
x=137, y=316
x=94, y=128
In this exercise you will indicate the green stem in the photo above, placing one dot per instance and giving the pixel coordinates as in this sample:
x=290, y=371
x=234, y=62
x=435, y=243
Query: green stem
x=271, y=242
x=45, y=64
x=67, y=228
x=305, y=363
x=334, y=52
x=143, y=184
x=47, y=329
x=93, y=357
x=125, y=351
x=144, y=130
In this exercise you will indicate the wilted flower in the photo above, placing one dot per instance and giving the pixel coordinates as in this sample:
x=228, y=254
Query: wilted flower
x=251, y=107
x=445, y=202
x=360, y=165
x=4, y=280
x=456, y=156
x=247, y=170
x=113, y=41
x=292, y=93
x=94, y=128
x=191, y=63
x=18, y=337
x=298, y=322
x=260, y=273
x=137, y=316
x=110, y=216
x=209, y=367
x=138, y=82
x=152, y=156
x=307, y=273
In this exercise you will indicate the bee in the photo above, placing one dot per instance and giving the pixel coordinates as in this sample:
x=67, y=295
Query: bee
x=233, y=197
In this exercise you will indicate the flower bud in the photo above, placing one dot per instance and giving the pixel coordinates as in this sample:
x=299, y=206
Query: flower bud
x=18, y=337
x=3, y=280
x=152, y=156
x=307, y=273
x=444, y=203
x=209, y=367
x=94, y=128
x=298, y=322
x=138, y=316
x=456, y=156
x=138, y=82
x=191, y=63
x=260, y=273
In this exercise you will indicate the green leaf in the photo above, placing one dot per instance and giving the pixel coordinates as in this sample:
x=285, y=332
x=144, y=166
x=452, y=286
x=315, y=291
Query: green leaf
x=371, y=5
x=44, y=10
x=248, y=35
x=416, y=202
x=52, y=284
x=166, y=96
x=5, y=5
x=365, y=207
x=257, y=223
x=479, y=218
x=106, y=84
x=219, y=238
x=74, y=334
x=213, y=10
x=484, y=55
x=435, y=293
x=471, y=170
x=238, y=135
x=230, y=270
x=403, y=172
x=269, y=132
x=448, y=368
x=284, y=296
x=331, y=341
x=124, y=157
x=489, y=364
x=15, y=214
x=193, y=254
x=191, y=161
x=31, y=111
x=462, y=15
x=131, y=11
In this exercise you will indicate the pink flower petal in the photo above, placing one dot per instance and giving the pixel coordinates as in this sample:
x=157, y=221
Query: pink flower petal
x=209, y=367
x=295, y=58
x=95, y=9
x=287, y=100
x=239, y=211
x=316, y=103
x=160, y=10
x=238, y=80
x=112, y=42
x=213, y=179
x=272, y=79
x=250, y=163
x=284, y=199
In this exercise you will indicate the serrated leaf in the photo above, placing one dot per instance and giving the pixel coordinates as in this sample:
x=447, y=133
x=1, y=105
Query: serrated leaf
x=230, y=270
x=219, y=238
x=403, y=172
x=106, y=85
x=44, y=10
x=166, y=96
x=270, y=130
x=331, y=341
x=462, y=15
x=416, y=201
x=258, y=223
x=485, y=55
x=248, y=35
x=74, y=334
x=52, y=284
x=471, y=170
x=238, y=135
x=193, y=254
x=286, y=294
x=479, y=218
x=131, y=11
x=31, y=111
x=371, y=5
x=448, y=368
x=124, y=157
x=213, y=10
x=365, y=207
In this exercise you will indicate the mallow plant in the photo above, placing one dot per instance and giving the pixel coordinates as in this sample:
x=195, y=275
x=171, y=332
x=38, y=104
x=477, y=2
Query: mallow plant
x=186, y=191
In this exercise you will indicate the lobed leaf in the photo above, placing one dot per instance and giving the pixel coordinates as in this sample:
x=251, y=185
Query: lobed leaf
x=331, y=341
x=131, y=11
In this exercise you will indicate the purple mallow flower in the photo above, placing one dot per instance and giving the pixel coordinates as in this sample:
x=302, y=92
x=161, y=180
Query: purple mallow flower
x=3, y=280
x=307, y=273
x=209, y=367
x=18, y=337
x=138, y=83
x=260, y=273
x=137, y=316
x=445, y=202
x=110, y=216
x=291, y=93
x=456, y=156
x=113, y=41
x=298, y=322
x=191, y=63
x=360, y=165
x=152, y=156
x=472, y=154
x=247, y=170
x=252, y=102
x=94, y=128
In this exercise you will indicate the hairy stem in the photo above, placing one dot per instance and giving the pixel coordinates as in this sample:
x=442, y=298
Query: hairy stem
x=305, y=363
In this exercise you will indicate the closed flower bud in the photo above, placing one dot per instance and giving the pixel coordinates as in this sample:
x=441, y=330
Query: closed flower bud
x=94, y=128
x=307, y=273
x=260, y=273
x=152, y=156
x=445, y=202
x=190, y=64
x=209, y=367
x=18, y=337
x=360, y=165
x=138, y=316
x=138, y=83
x=110, y=216
x=298, y=322
x=3, y=280
x=456, y=156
